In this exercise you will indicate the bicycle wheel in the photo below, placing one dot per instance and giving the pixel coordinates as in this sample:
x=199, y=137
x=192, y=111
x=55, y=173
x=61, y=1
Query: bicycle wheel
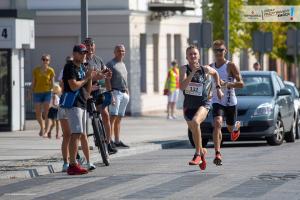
x=100, y=140
x=103, y=142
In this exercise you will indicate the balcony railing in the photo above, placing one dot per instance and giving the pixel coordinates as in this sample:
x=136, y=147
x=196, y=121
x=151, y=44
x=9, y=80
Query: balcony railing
x=171, y=5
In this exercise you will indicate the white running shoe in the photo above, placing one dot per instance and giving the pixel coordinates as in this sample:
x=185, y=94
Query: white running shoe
x=90, y=166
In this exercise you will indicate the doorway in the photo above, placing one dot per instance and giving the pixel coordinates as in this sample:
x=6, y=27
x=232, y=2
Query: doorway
x=5, y=85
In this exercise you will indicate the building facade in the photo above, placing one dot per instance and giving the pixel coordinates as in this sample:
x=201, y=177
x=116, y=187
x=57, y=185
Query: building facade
x=151, y=42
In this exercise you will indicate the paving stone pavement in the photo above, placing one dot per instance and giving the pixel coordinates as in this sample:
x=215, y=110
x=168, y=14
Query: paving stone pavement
x=23, y=154
x=251, y=170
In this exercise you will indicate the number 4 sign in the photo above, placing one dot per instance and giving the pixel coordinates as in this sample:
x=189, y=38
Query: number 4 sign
x=5, y=33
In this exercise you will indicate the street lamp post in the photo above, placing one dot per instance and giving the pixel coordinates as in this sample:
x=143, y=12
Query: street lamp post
x=226, y=30
x=84, y=19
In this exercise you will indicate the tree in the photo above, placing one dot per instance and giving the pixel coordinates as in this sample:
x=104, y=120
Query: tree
x=241, y=32
x=214, y=12
x=279, y=29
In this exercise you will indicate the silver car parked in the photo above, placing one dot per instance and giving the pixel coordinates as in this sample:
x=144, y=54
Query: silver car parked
x=292, y=87
x=265, y=108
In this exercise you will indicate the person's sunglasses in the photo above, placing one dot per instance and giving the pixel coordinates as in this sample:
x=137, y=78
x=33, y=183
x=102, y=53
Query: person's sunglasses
x=219, y=50
x=45, y=59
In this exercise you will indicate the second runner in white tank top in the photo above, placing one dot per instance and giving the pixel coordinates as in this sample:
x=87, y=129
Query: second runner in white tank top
x=229, y=98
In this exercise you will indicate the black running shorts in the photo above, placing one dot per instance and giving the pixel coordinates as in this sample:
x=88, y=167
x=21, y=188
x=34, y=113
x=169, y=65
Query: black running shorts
x=229, y=112
x=189, y=113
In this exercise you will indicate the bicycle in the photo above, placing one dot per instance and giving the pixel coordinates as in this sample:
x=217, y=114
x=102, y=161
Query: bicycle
x=98, y=130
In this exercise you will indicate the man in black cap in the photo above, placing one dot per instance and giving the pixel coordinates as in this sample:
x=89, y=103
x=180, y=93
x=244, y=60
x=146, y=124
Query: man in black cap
x=77, y=84
x=101, y=86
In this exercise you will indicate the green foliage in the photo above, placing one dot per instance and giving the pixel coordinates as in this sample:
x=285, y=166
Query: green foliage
x=241, y=32
x=214, y=12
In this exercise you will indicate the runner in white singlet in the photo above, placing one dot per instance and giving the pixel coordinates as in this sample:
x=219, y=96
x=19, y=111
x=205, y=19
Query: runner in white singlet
x=226, y=107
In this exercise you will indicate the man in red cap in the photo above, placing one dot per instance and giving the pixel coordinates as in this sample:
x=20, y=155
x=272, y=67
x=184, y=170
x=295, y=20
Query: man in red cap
x=77, y=86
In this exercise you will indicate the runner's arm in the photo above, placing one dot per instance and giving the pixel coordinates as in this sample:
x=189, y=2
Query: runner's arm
x=235, y=72
x=184, y=80
x=211, y=71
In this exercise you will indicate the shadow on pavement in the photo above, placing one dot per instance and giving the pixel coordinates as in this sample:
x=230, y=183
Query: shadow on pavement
x=184, y=144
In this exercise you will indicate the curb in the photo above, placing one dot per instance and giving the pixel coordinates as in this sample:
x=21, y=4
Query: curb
x=55, y=167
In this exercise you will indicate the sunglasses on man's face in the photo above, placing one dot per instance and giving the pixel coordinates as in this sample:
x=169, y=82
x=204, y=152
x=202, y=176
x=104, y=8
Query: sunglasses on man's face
x=219, y=50
x=45, y=59
x=89, y=44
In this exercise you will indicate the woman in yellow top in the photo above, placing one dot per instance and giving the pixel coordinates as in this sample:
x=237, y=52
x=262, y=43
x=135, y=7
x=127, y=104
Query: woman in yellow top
x=172, y=89
x=42, y=83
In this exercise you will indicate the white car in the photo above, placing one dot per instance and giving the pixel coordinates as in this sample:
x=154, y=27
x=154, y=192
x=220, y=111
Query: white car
x=292, y=87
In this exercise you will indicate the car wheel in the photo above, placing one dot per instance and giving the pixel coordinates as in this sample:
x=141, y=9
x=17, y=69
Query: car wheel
x=298, y=127
x=291, y=136
x=204, y=140
x=278, y=135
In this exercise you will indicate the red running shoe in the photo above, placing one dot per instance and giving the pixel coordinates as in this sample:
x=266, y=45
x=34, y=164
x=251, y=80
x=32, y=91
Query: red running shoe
x=235, y=134
x=203, y=164
x=196, y=160
x=76, y=170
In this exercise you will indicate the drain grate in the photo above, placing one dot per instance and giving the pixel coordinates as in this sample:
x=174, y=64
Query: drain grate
x=259, y=185
x=276, y=177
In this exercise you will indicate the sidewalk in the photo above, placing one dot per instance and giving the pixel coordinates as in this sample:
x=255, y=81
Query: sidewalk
x=23, y=154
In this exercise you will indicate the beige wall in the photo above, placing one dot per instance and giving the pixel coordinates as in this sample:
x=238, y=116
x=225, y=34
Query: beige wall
x=177, y=25
x=58, y=31
x=57, y=35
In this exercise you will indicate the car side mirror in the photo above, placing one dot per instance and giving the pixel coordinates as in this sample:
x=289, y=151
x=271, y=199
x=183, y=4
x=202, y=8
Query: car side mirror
x=284, y=92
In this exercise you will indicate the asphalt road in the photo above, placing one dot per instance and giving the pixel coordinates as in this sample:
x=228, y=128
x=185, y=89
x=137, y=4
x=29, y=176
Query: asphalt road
x=250, y=171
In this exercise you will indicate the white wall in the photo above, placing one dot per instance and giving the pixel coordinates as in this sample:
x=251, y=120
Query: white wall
x=75, y=4
x=57, y=47
x=25, y=33
x=17, y=92
x=141, y=24
x=107, y=31
x=4, y=4
x=108, y=28
x=141, y=5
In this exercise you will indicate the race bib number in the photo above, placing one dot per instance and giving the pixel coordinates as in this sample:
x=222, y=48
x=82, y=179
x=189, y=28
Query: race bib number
x=194, y=89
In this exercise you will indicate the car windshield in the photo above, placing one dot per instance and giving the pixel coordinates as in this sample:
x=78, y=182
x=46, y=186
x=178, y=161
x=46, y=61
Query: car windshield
x=256, y=86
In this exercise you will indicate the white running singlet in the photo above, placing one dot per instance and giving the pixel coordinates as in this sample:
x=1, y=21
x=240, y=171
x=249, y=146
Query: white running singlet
x=229, y=98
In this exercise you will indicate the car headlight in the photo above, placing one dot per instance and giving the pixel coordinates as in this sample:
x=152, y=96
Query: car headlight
x=263, y=109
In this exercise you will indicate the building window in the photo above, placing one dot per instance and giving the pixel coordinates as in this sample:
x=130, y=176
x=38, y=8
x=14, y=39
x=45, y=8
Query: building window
x=156, y=62
x=143, y=62
x=169, y=48
x=177, y=48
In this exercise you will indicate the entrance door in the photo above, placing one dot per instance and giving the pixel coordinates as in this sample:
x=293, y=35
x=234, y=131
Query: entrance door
x=5, y=101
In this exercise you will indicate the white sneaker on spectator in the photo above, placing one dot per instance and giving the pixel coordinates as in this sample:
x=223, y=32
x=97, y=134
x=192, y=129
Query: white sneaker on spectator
x=90, y=166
